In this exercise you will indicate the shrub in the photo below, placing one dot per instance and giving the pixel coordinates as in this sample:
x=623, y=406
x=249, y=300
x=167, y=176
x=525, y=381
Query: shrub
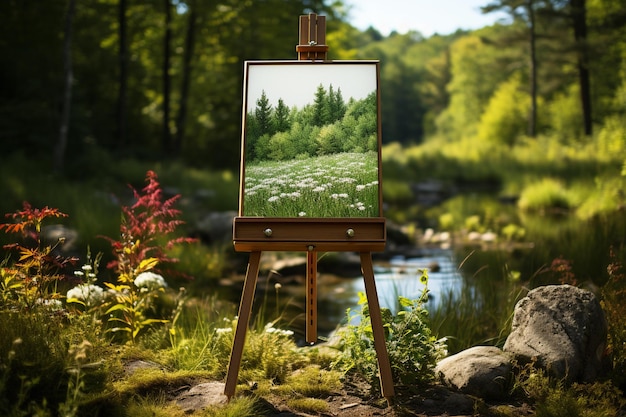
x=546, y=195
x=413, y=350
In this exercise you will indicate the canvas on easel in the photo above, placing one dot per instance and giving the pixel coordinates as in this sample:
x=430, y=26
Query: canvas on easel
x=310, y=153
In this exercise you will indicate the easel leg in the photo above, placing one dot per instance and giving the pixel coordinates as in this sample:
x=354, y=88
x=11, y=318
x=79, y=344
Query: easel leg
x=311, y=297
x=245, y=308
x=384, y=366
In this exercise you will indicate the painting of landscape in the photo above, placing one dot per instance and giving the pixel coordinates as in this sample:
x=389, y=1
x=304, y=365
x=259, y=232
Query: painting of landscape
x=311, y=140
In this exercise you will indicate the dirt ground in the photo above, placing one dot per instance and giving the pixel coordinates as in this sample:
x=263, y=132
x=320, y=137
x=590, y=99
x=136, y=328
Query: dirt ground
x=355, y=400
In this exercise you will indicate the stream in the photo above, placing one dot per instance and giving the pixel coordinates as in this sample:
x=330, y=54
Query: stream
x=399, y=276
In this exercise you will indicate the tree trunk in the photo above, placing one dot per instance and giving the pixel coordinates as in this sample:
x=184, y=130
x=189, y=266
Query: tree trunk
x=579, y=19
x=166, y=141
x=184, y=93
x=123, y=77
x=532, y=119
x=59, y=152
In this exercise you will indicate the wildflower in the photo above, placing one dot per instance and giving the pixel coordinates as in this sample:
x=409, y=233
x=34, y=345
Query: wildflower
x=273, y=198
x=53, y=305
x=223, y=330
x=150, y=281
x=269, y=328
x=302, y=214
x=360, y=187
x=87, y=293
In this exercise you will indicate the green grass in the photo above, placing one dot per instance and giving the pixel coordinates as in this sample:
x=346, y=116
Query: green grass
x=339, y=185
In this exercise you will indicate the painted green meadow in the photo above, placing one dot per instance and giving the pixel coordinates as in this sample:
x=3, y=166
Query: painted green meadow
x=337, y=185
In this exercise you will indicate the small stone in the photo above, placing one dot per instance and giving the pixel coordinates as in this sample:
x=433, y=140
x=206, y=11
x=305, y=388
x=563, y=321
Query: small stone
x=482, y=371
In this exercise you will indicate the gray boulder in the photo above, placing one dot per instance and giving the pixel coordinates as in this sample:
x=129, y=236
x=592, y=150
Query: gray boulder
x=482, y=371
x=562, y=329
x=215, y=227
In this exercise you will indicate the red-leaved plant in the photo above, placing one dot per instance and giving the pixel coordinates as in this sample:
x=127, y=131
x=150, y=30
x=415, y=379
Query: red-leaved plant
x=147, y=229
x=146, y=233
x=32, y=278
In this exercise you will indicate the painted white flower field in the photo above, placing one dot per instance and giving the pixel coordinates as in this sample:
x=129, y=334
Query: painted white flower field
x=337, y=185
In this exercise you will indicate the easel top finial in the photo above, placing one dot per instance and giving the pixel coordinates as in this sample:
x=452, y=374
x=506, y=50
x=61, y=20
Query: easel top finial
x=312, y=42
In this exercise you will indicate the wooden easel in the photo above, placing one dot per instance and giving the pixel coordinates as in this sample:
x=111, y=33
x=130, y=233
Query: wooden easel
x=310, y=235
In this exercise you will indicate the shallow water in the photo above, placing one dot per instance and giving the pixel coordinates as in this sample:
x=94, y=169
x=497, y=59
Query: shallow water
x=398, y=277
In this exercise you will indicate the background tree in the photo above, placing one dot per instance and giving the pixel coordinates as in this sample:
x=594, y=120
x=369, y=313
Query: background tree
x=263, y=115
x=524, y=11
x=188, y=53
x=59, y=154
x=579, y=23
x=167, y=134
x=320, y=107
x=122, y=98
x=281, y=117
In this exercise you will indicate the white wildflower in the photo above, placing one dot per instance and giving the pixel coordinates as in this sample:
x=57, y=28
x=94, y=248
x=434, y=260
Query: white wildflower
x=54, y=305
x=88, y=293
x=150, y=280
x=269, y=328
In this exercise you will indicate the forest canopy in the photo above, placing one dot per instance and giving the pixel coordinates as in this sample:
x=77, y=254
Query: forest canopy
x=327, y=126
x=159, y=80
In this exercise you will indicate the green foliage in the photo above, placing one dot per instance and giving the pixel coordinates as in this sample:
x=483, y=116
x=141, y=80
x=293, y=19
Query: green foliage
x=613, y=293
x=327, y=126
x=554, y=399
x=32, y=367
x=504, y=117
x=397, y=192
x=565, y=113
x=413, y=349
x=471, y=86
x=548, y=195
